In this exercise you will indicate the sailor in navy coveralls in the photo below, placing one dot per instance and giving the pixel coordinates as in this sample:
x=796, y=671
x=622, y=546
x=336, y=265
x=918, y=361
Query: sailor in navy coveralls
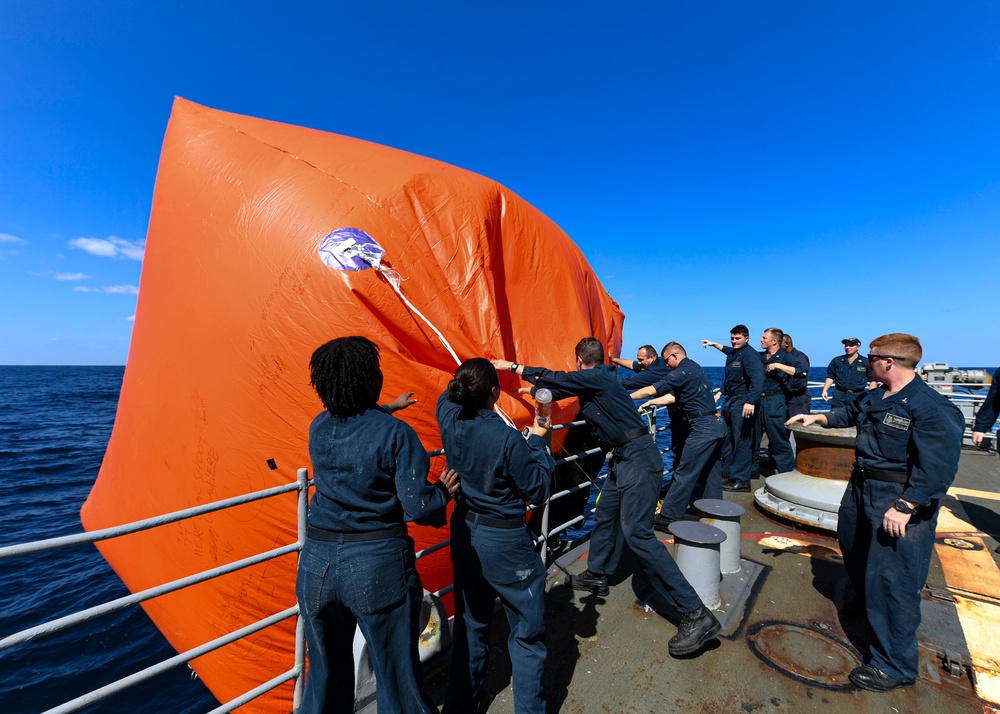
x=741, y=386
x=779, y=368
x=357, y=565
x=492, y=552
x=698, y=471
x=799, y=400
x=649, y=368
x=849, y=373
x=907, y=449
x=628, y=499
x=987, y=414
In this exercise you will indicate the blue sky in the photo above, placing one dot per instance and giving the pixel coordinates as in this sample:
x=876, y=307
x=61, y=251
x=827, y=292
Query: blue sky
x=832, y=169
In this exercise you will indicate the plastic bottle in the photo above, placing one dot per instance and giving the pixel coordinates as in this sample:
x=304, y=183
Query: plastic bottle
x=543, y=408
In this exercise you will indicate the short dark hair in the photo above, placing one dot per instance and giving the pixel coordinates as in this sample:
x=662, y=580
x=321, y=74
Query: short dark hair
x=648, y=350
x=790, y=340
x=343, y=372
x=590, y=351
x=740, y=330
x=473, y=384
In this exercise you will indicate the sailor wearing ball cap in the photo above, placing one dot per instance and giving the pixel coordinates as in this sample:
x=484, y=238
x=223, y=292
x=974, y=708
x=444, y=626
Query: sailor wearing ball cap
x=850, y=373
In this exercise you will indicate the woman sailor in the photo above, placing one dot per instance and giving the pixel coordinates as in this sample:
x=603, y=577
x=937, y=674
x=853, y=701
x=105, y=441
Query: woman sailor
x=357, y=565
x=491, y=549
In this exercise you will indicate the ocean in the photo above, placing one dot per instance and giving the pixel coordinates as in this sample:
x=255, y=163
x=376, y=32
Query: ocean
x=55, y=423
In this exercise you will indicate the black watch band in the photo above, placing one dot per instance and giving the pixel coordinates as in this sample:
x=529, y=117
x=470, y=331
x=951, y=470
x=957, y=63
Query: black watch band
x=903, y=507
x=514, y=366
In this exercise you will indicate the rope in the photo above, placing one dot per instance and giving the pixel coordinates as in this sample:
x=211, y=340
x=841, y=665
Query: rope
x=373, y=254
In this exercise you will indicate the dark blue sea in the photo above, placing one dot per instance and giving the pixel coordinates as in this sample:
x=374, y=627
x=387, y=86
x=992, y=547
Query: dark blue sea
x=55, y=423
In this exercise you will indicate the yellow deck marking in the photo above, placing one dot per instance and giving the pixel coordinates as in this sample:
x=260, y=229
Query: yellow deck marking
x=988, y=495
x=976, y=573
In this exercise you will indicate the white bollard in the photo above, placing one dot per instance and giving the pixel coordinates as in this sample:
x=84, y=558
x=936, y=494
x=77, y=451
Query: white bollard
x=724, y=515
x=697, y=555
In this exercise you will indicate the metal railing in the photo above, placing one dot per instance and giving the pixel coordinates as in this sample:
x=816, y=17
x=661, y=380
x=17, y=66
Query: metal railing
x=301, y=486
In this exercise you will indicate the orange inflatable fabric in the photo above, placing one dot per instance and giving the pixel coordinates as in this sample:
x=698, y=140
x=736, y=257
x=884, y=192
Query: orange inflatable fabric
x=245, y=274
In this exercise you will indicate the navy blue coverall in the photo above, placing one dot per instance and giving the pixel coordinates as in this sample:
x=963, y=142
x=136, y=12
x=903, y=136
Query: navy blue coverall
x=698, y=455
x=635, y=472
x=742, y=384
x=850, y=379
x=652, y=374
x=656, y=371
x=907, y=447
x=771, y=420
x=990, y=409
x=799, y=401
x=493, y=553
x=357, y=566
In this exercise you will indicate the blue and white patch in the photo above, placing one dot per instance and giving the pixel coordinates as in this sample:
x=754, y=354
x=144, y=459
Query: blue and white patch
x=350, y=249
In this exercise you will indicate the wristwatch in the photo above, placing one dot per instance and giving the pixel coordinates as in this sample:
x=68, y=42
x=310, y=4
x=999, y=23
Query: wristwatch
x=514, y=366
x=903, y=507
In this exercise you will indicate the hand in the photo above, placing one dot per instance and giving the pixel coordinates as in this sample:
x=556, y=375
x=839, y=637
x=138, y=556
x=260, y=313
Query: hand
x=747, y=411
x=524, y=390
x=501, y=365
x=403, y=401
x=541, y=431
x=977, y=438
x=824, y=396
x=805, y=419
x=450, y=480
x=894, y=522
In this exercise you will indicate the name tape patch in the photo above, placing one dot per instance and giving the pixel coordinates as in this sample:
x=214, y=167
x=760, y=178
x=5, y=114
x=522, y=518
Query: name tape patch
x=895, y=421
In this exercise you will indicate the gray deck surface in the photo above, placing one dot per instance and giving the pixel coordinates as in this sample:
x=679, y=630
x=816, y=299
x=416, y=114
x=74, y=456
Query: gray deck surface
x=788, y=650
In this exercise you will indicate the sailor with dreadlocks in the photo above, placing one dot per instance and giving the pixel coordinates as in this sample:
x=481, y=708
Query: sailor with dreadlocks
x=357, y=565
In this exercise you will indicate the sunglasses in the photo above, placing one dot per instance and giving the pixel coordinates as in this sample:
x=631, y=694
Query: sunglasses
x=874, y=358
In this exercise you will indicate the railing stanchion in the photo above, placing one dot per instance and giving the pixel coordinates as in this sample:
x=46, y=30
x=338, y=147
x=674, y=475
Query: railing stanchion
x=300, y=637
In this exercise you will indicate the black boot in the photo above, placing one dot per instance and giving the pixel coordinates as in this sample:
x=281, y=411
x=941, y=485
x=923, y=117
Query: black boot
x=591, y=582
x=695, y=629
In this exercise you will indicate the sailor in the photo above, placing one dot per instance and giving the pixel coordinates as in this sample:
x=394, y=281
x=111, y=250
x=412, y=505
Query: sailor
x=357, y=566
x=779, y=368
x=492, y=552
x=649, y=368
x=629, y=496
x=849, y=373
x=697, y=470
x=906, y=451
x=741, y=386
x=987, y=414
x=798, y=401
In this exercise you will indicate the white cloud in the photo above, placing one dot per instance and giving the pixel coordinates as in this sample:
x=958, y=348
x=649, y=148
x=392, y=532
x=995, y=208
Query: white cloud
x=130, y=318
x=71, y=276
x=110, y=247
x=109, y=290
x=8, y=238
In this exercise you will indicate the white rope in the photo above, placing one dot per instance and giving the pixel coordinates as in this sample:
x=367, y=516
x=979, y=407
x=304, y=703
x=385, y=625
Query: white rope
x=373, y=255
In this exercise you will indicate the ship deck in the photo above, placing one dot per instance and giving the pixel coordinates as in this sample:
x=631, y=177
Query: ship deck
x=787, y=644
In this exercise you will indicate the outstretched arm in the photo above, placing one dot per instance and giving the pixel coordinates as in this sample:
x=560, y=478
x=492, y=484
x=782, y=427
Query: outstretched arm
x=403, y=401
x=665, y=400
x=808, y=419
